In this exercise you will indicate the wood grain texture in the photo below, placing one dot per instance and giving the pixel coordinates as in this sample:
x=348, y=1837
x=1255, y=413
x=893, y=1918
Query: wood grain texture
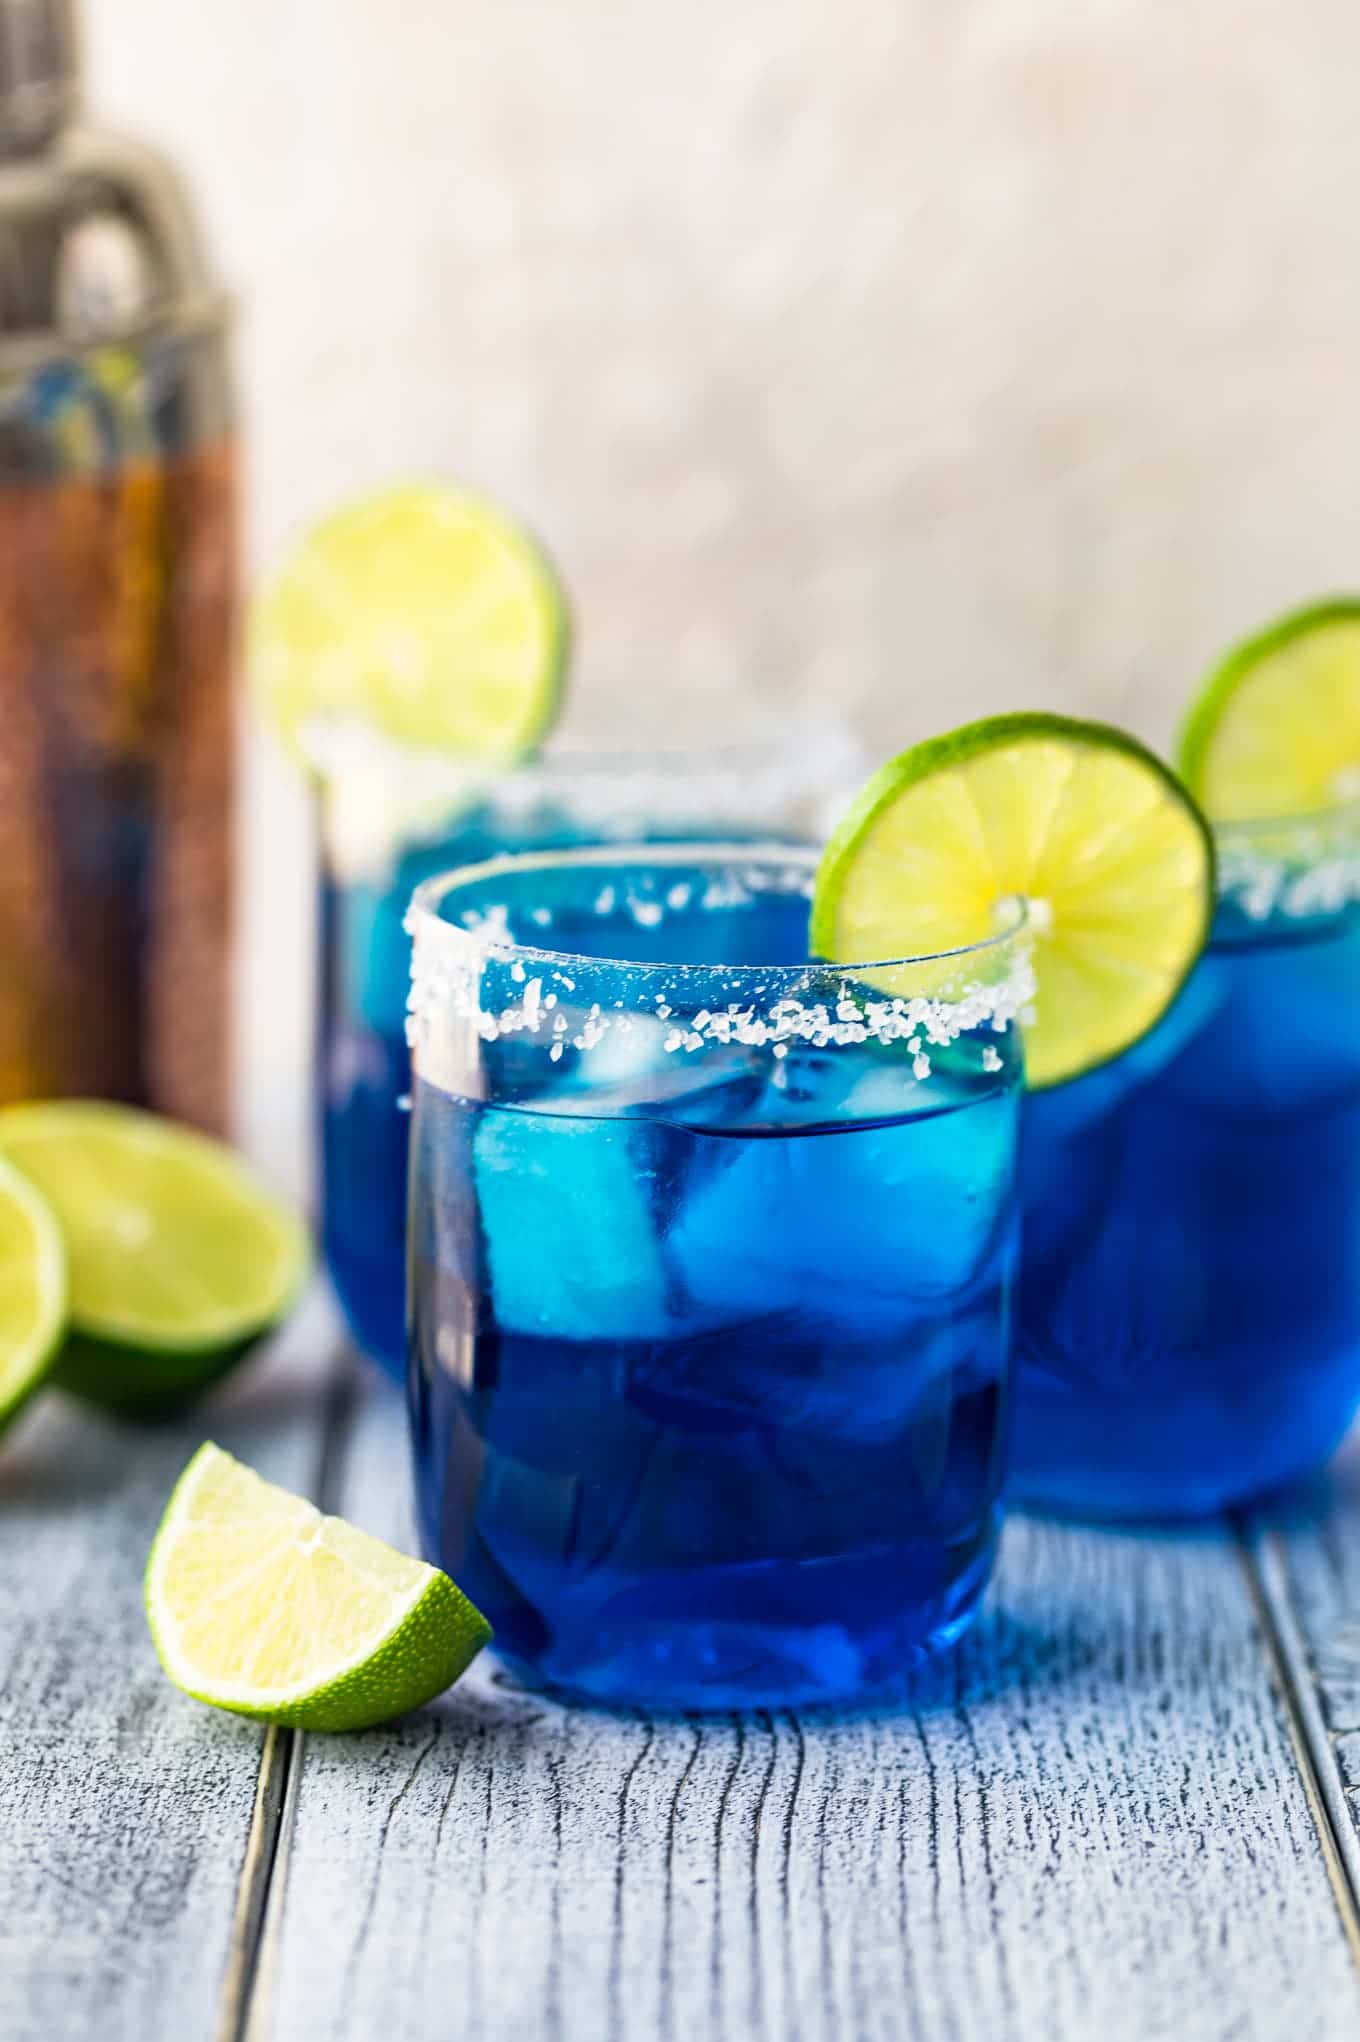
x=1090, y=1822
x=1311, y=1561
x=127, y=1807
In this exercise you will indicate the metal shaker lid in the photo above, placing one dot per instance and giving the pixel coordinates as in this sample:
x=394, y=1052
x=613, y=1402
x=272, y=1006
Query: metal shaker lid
x=39, y=72
x=111, y=321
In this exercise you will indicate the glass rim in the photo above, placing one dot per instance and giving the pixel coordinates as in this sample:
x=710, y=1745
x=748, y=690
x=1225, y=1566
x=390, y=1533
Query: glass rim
x=777, y=741
x=424, y=913
x=1289, y=868
x=1344, y=815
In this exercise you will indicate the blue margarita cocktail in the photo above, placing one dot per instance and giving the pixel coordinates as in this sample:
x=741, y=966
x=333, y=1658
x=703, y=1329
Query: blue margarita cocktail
x=389, y=818
x=1189, y=1322
x=711, y=1256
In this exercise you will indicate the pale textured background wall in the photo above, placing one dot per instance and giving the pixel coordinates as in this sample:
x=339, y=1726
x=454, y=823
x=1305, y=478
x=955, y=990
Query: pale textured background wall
x=934, y=355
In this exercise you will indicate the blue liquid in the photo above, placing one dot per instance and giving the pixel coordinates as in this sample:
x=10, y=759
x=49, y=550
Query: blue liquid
x=1189, y=1316
x=365, y=1069
x=709, y=1396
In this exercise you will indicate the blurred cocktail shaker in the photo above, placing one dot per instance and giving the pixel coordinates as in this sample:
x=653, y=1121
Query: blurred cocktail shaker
x=117, y=603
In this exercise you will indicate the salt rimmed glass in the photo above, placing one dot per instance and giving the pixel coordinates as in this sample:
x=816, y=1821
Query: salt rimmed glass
x=711, y=1255
x=1189, y=1325
x=388, y=818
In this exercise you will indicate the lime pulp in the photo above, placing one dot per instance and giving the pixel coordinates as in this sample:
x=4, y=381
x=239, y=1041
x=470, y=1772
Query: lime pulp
x=179, y=1259
x=1095, y=834
x=259, y=1604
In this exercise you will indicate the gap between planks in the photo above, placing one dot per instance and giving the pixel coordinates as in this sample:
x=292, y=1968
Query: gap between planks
x=264, y=1872
x=1268, y=1585
x=264, y=1869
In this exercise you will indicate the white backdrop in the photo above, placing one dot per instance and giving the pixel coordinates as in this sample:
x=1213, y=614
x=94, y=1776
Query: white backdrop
x=934, y=355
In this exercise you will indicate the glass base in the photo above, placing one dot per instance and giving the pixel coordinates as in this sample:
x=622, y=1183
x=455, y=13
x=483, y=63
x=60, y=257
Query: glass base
x=370, y=1290
x=364, y=1139
x=676, y=1666
x=1167, y=1469
x=366, y=1312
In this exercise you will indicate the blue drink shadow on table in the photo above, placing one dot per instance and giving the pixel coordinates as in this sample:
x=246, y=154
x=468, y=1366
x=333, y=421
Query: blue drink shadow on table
x=390, y=820
x=710, y=1286
x=1189, y=1301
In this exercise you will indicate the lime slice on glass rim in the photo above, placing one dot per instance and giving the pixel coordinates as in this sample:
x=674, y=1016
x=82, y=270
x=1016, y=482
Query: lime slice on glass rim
x=422, y=613
x=1090, y=829
x=178, y=1258
x=32, y=1291
x=259, y=1604
x=1275, y=730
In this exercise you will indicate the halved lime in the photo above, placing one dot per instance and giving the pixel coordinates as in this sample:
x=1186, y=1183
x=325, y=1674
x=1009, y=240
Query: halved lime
x=422, y=612
x=32, y=1290
x=259, y=1604
x=1275, y=730
x=1114, y=860
x=179, y=1259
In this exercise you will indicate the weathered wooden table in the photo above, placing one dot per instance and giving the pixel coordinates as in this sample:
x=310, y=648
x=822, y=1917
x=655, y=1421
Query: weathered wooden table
x=1126, y=1808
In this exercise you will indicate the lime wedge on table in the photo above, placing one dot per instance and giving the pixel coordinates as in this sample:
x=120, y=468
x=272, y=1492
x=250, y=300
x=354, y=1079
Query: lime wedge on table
x=259, y=1604
x=422, y=612
x=1275, y=730
x=32, y=1290
x=1092, y=830
x=179, y=1259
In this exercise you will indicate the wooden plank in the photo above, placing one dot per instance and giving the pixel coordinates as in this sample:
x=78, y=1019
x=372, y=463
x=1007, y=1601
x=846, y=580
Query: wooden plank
x=127, y=1807
x=1090, y=1824
x=1307, y=1554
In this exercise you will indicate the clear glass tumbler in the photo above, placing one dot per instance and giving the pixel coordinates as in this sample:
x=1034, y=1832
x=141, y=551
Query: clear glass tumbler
x=711, y=1256
x=390, y=818
x=1189, y=1321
